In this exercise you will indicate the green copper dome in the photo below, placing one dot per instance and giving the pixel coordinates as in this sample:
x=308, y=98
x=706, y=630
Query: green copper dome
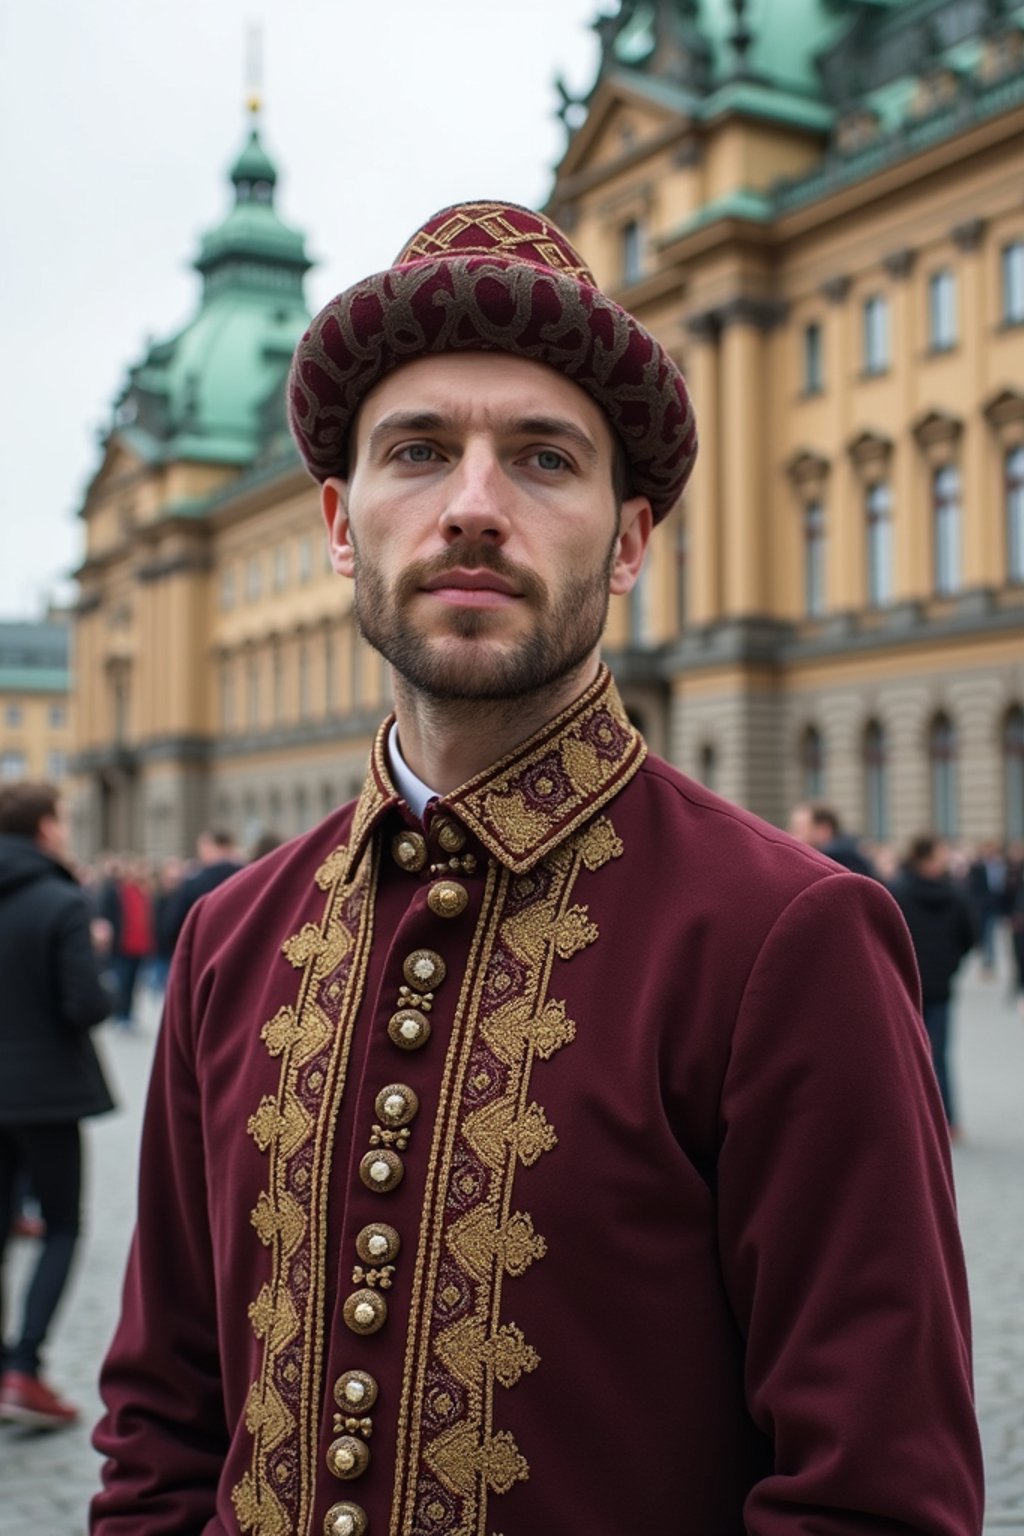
x=207, y=393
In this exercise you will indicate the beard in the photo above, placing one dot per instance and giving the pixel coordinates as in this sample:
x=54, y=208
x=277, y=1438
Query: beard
x=567, y=627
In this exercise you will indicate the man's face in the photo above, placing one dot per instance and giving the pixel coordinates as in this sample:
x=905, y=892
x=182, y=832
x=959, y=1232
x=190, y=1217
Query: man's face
x=54, y=835
x=480, y=525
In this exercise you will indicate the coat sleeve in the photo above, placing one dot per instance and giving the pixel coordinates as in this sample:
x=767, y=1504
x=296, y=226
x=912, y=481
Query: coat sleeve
x=163, y=1432
x=838, y=1233
x=83, y=1000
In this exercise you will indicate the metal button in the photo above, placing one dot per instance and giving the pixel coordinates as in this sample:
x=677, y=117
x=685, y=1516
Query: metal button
x=424, y=969
x=365, y=1311
x=397, y=1104
x=345, y=1520
x=378, y=1244
x=447, y=898
x=409, y=850
x=355, y=1390
x=382, y=1171
x=348, y=1457
x=409, y=1029
x=450, y=836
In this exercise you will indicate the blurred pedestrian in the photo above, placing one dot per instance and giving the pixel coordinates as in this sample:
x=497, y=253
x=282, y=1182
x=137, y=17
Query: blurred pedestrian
x=987, y=889
x=50, y=1076
x=165, y=896
x=943, y=932
x=124, y=901
x=217, y=859
x=819, y=827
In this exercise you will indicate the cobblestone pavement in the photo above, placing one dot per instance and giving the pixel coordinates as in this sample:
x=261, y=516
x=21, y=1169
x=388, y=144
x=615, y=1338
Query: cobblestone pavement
x=46, y=1479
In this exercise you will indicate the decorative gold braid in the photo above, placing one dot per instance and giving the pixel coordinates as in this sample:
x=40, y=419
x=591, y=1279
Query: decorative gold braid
x=313, y=1038
x=448, y=1464
x=498, y=236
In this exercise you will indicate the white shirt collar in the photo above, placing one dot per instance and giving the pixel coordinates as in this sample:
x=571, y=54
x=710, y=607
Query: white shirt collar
x=413, y=791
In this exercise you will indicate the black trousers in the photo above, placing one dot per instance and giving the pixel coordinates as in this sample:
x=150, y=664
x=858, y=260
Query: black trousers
x=51, y=1156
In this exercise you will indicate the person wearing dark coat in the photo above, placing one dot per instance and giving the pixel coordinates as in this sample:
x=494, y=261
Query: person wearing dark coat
x=943, y=932
x=819, y=827
x=217, y=861
x=50, y=1075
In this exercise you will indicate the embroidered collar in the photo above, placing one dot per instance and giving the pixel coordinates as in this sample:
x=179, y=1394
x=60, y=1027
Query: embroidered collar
x=524, y=805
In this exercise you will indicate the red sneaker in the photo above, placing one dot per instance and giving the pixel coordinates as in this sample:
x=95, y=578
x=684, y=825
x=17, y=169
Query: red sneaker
x=27, y=1400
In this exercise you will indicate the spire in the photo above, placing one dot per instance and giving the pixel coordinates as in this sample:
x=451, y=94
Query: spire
x=254, y=174
x=741, y=37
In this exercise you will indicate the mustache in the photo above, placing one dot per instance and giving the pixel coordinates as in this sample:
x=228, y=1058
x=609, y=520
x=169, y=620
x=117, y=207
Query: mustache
x=471, y=557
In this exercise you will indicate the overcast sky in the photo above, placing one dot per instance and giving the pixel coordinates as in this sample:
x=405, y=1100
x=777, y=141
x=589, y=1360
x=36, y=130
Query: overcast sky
x=118, y=123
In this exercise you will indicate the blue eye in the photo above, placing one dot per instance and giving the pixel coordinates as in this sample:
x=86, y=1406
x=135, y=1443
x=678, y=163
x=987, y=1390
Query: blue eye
x=418, y=453
x=548, y=458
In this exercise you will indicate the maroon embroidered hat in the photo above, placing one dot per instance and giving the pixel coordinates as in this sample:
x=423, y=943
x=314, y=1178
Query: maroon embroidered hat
x=493, y=277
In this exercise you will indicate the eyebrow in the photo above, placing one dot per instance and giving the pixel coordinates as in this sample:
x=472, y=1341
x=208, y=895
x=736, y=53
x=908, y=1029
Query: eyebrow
x=523, y=426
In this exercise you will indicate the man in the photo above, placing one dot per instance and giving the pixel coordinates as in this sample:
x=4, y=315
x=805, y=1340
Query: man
x=541, y=1145
x=943, y=932
x=50, y=1076
x=216, y=861
x=819, y=827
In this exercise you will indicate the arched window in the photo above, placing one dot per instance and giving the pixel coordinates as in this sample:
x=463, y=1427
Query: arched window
x=1015, y=514
x=876, y=781
x=812, y=764
x=301, y=808
x=942, y=749
x=1013, y=758
x=946, y=528
x=708, y=765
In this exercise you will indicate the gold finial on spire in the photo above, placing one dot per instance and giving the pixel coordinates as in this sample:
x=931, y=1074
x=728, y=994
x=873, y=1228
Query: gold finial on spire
x=254, y=68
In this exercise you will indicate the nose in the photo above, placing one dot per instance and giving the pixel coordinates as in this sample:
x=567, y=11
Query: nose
x=476, y=505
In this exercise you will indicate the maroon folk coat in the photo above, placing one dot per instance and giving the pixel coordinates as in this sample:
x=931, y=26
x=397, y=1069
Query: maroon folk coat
x=678, y=1253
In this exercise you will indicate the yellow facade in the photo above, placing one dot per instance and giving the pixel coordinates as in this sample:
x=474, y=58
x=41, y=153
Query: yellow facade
x=35, y=728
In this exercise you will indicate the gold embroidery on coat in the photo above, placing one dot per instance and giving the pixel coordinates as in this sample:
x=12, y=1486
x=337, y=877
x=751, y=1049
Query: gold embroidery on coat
x=311, y=1040
x=488, y=1125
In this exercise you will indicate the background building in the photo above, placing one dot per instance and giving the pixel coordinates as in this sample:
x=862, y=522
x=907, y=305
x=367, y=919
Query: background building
x=824, y=223
x=34, y=688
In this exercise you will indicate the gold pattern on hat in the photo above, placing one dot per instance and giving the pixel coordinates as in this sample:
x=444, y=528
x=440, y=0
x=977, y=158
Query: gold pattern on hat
x=409, y=851
x=356, y=1391
x=409, y=1029
x=345, y=1519
x=382, y=1171
x=424, y=969
x=397, y=1104
x=365, y=1311
x=378, y=1243
x=450, y=836
x=348, y=1457
x=447, y=898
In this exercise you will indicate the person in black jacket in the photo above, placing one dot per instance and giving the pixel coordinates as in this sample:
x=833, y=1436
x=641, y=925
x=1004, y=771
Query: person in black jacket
x=50, y=1075
x=943, y=932
x=216, y=860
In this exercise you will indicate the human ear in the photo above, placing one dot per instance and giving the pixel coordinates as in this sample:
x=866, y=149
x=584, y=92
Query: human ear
x=334, y=506
x=635, y=523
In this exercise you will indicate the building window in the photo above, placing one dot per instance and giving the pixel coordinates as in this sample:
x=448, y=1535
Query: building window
x=1013, y=283
x=305, y=558
x=227, y=588
x=707, y=760
x=356, y=665
x=879, y=532
x=1013, y=756
x=876, y=782
x=942, y=760
x=640, y=618
x=227, y=695
x=280, y=567
x=303, y=680
x=946, y=527
x=876, y=334
x=13, y=715
x=632, y=251
x=329, y=680
x=814, y=559
x=682, y=549
x=12, y=765
x=252, y=692
x=254, y=579
x=56, y=765
x=942, y=310
x=301, y=808
x=814, y=370
x=812, y=764
x=1015, y=514
x=277, y=684
x=58, y=717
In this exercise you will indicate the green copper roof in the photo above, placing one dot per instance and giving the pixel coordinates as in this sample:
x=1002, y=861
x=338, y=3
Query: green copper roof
x=203, y=394
x=33, y=680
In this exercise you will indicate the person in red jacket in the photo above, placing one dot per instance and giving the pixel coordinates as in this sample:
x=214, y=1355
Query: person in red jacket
x=540, y=1144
